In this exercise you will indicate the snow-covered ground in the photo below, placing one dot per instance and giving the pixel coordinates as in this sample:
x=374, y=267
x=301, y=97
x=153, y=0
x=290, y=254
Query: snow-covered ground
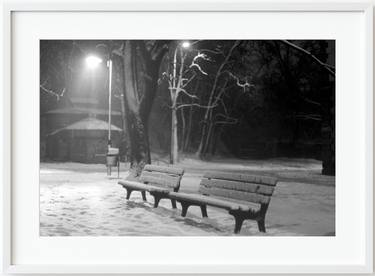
x=80, y=200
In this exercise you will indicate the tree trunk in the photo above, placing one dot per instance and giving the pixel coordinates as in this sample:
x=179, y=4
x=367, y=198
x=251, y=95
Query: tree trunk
x=183, y=129
x=188, y=130
x=208, y=136
x=140, y=79
x=190, y=121
x=328, y=115
x=118, y=85
x=139, y=150
x=328, y=134
x=174, y=138
x=216, y=138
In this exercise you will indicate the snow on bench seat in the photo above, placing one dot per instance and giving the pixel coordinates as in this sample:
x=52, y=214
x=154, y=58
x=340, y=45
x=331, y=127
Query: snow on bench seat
x=142, y=187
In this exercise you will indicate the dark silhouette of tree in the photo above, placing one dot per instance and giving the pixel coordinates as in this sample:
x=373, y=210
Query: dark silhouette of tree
x=141, y=64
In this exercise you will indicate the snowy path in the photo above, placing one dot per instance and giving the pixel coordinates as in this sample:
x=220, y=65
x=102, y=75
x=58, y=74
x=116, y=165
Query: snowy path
x=79, y=200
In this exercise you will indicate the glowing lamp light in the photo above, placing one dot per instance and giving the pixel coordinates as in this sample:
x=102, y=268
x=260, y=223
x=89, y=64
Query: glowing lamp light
x=93, y=62
x=185, y=44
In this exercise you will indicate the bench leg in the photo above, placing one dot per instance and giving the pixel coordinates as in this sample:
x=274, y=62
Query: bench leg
x=174, y=205
x=261, y=225
x=128, y=192
x=238, y=224
x=156, y=201
x=144, y=196
x=204, y=211
x=238, y=218
x=185, y=207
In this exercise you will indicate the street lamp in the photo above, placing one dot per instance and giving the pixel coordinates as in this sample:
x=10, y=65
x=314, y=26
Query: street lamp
x=93, y=62
x=185, y=44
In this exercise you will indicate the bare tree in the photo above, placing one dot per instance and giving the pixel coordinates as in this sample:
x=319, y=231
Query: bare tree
x=179, y=77
x=207, y=122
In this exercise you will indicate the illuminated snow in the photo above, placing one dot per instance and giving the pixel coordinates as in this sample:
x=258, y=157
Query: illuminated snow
x=78, y=199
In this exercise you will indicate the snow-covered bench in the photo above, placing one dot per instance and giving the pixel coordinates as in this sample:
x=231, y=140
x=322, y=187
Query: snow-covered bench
x=157, y=180
x=244, y=196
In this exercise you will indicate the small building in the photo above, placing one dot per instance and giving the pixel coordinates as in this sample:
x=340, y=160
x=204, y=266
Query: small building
x=79, y=113
x=84, y=141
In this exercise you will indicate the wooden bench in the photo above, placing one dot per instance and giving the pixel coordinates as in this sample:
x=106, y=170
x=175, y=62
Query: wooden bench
x=244, y=196
x=157, y=180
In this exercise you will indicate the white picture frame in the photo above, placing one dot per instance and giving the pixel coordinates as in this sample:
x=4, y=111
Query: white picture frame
x=9, y=168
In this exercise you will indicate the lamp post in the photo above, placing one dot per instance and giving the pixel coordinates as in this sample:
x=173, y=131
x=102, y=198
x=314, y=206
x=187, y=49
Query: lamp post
x=93, y=62
x=112, y=153
x=109, y=65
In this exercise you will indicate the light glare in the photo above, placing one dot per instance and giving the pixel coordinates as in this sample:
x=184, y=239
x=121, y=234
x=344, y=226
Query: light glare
x=185, y=44
x=93, y=62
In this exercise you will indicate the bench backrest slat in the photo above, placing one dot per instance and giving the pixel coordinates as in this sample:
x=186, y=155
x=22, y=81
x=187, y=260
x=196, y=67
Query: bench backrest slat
x=166, y=177
x=238, y=186
x=164, y=169
x=265, y=180
x=252, y=188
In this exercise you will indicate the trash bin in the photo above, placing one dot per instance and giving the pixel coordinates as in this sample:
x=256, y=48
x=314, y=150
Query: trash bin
x=113, y=159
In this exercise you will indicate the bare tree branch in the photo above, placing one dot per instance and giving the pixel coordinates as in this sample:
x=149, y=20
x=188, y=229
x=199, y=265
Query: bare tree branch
x=195, y=104
x=244, y=85
x=187, y=80
x=226, y=118
x=187, y=93
x=226, y=122
x=311, y=101
x=53, y=93
x=328, y=67
x=314, y=117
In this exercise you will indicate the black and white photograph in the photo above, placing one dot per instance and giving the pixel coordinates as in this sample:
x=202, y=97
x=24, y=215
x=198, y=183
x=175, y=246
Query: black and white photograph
x=187, y=137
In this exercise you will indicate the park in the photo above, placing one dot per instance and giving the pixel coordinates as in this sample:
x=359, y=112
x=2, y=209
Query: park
x=187, y=137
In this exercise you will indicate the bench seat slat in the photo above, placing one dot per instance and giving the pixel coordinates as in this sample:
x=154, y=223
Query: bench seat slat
x=266, y=180
x=238, y=186
x=216, y=202
x=162, y=179
x=162, y=169
x=240, y=195
x=142, y=187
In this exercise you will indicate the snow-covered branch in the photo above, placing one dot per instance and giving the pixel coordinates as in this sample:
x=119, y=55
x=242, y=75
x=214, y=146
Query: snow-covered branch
x=243, y=84
x=187, y=93
x=196, y=65
x=51, y=92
